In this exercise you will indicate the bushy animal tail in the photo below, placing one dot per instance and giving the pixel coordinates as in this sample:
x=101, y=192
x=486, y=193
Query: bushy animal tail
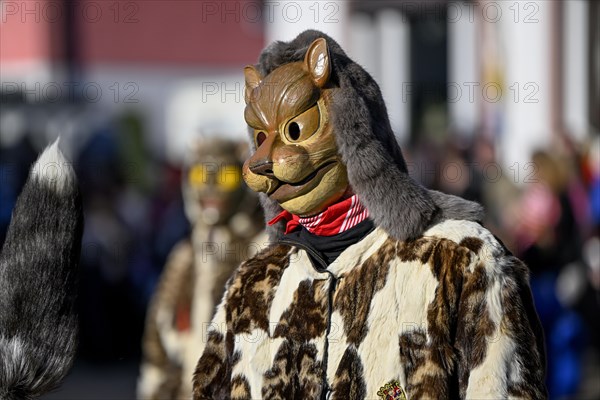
x=38, y=277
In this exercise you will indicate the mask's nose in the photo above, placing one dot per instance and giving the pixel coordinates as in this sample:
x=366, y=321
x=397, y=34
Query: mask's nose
x=261, y=163
x=262, y=167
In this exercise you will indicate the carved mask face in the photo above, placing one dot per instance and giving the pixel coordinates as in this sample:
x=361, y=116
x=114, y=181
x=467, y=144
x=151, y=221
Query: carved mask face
x=212, y=183
x=296, y=162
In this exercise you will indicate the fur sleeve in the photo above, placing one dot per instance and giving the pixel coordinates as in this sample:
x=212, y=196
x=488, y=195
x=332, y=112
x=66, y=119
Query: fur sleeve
x=499, y=337
x=213, y=372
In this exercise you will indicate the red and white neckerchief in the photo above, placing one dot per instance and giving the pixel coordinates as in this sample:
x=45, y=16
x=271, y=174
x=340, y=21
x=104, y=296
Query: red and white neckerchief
x=337, y=218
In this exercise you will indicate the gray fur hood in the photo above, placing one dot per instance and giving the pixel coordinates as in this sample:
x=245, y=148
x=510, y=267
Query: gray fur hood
x=376, y=168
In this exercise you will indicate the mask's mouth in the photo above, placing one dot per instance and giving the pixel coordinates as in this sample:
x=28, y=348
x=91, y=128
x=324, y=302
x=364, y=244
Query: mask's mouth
x=284, y=191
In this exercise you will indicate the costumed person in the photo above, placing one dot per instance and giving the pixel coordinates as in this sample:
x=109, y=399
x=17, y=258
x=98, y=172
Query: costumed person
x=373, y=286
x=227, y=227
x=38, y=271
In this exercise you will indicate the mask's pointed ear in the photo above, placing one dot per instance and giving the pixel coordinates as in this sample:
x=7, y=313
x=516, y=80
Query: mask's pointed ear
x=253, y=79
x=317, y=62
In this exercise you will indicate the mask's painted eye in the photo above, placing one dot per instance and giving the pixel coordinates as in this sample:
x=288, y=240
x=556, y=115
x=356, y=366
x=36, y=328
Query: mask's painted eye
x=260, y=138
x=229, y=178
x=303, y=126
x=294, y=131
x=198, y=176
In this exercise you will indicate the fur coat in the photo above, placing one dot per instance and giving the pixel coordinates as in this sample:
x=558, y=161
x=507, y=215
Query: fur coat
x=429, y=305
x=189, y=290
x=447, y=315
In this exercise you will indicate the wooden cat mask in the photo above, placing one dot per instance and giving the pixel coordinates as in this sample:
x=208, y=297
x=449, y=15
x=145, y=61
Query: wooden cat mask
x=296, y=162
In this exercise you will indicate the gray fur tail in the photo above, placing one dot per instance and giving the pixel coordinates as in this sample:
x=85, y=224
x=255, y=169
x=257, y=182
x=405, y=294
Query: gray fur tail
x=38, y=277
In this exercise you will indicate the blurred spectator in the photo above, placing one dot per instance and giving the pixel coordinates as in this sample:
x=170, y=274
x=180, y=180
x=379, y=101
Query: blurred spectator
x=16, y=156
x=550, y=222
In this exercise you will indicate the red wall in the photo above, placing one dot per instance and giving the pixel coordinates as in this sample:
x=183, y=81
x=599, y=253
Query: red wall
x=178, y=32
x=174, y=32
x=29, y=30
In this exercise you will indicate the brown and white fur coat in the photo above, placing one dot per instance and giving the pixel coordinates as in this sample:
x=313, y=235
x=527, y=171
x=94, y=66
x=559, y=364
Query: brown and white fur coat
x=448, y=315
x=429, y=301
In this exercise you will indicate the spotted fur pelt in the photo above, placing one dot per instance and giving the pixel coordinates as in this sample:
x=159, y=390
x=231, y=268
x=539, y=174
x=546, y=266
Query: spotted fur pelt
x=38, y=269
x=448, y=315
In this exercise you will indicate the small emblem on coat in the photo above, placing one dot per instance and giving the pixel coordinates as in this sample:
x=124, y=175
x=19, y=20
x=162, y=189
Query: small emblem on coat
x=392, y=391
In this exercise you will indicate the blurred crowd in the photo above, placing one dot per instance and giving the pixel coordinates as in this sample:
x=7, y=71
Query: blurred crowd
x=546, y=211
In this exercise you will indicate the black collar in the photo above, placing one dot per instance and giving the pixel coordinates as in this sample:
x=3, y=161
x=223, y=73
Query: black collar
x=323, y=250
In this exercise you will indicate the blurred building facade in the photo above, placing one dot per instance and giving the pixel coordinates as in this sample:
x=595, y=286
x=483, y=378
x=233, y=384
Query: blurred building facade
x=131, y=55
x=517, y=71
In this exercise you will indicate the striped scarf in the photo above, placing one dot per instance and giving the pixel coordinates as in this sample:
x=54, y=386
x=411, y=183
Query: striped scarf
x=336, y=219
